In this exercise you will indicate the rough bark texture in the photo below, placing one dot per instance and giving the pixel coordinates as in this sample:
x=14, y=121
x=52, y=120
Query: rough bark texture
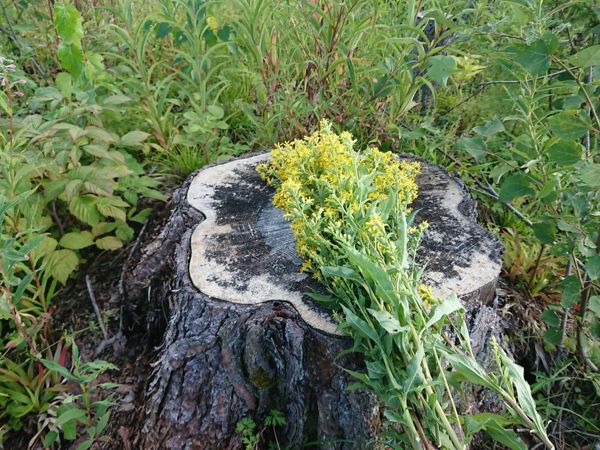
x=221, y=361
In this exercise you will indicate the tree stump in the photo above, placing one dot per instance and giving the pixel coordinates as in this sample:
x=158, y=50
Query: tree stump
x=243, y=339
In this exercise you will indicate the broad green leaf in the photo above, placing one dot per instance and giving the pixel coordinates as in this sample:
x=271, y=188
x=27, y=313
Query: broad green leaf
x=594, y=305
x=133, y=138
x=388, y=322
x=71, y=59
x=68, y=23
x=535, y=58
x=587, y=57
x=550, y=318
x=441, y=68
x=109, y=243
x=491, y=127
x=545, y=232
x=448, y=306
x=571, y=293
x=61, y=263
x=593, y=267
x=565, y=153
x=569, y=125
x=84, y=209
x=552, y=335
x=216, y=111
x=109, y=208
x=72, y=415
x=64, y=82
x=475, y=146
x=514, y=186
x=590, y=175
x=77, y=240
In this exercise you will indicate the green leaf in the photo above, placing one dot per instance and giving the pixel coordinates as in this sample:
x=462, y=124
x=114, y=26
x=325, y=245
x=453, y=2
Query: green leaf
x=71, y=59
x=550, y=318
x=565, y=153
x=545, y=232
x=84, y=209
x=475, y=146
x=552, y=335
x=514, y=186
x=64, y=83
x=388, y=322
x=493, y=425
x=112, y=207
x=593, y=267
x=450, y=305
x=571, y=292
x=415, y=380
x=516, y=375
x=362, y=327
x=61, y=263
x=594, y=305
x=569, y=125
x=534, y=58
x=109, y=243
x=216, y=112
x=71, y=415
x=77, y=240
x=490, y=128
x=133, y=138
x=68, y=23
x=441, y=68
x=590, y=175
x=340, y=271
x=470, y=369
x=587, y=57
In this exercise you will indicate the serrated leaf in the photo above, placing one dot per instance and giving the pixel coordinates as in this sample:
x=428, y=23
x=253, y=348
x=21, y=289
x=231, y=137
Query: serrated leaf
x=84, y=209
x=61, y=263
x=109, y=243
x=68, y=23
x=112, y=207
x=77, y=240
x=514, y=186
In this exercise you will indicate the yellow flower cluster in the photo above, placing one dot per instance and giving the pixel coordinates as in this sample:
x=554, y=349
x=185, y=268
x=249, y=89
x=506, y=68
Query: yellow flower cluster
x=322, y=183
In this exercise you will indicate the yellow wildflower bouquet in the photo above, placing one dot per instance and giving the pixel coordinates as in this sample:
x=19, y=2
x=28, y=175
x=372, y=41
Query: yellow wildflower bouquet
x=330, y=192
x=350, y=215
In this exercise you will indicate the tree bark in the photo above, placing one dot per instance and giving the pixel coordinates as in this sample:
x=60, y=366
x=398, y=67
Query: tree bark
x=236, y=355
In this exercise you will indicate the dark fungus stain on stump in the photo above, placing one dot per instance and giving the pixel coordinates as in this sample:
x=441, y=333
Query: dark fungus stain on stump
x=243, y=338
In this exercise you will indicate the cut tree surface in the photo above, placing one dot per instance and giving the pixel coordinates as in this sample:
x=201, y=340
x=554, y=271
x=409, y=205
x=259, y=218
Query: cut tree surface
x=242, y=337
x=244, y=251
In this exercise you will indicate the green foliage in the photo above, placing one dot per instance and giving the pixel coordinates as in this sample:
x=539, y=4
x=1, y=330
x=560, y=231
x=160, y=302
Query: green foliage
x=253, y=436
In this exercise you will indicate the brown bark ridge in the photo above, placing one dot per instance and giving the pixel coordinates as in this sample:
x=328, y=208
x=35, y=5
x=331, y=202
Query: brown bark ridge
x=245, y=352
